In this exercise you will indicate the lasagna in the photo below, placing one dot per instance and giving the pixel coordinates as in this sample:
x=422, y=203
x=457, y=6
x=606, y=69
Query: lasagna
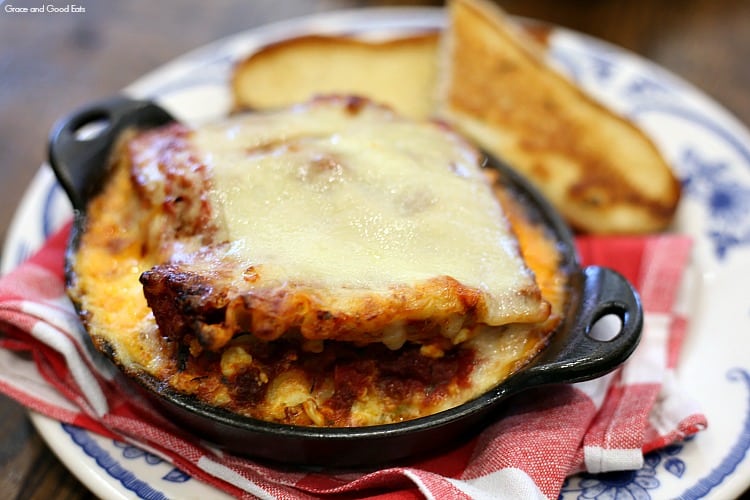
x=328, y=264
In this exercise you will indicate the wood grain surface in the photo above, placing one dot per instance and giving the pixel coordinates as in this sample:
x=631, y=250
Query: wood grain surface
x=52, y=63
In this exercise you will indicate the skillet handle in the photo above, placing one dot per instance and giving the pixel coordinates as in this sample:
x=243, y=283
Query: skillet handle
x=578, y=355
x=80, y=160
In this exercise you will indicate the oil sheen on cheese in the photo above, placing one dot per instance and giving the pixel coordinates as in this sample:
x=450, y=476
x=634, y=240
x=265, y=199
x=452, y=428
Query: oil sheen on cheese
x=358, y=198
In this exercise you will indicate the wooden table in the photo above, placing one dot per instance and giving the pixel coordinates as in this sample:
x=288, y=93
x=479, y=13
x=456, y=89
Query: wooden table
x=51, y=63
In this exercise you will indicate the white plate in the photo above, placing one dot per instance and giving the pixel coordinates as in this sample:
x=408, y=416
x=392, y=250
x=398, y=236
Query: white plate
x=708, y=148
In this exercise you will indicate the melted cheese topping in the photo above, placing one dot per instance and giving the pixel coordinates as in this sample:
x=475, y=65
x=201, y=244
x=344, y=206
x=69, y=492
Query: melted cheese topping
x=341, y=383
x=337, y=198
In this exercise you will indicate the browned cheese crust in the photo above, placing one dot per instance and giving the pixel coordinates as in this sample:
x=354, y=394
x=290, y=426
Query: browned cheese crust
x=271, y=355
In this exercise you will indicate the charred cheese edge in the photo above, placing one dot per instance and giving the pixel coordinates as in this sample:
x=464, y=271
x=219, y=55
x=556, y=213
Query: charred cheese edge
x=337, y=384
x=326, y=229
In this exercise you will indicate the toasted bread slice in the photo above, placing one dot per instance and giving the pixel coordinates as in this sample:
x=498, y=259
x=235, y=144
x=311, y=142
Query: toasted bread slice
x=399, y=72
x=601, y=171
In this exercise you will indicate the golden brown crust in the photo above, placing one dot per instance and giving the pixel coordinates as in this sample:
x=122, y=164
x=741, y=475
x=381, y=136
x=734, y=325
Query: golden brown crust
x=600, y=170
x=440, y=312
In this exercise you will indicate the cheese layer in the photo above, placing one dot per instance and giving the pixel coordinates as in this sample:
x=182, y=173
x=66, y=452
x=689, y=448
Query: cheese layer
x=410, y=352
x=344, y=198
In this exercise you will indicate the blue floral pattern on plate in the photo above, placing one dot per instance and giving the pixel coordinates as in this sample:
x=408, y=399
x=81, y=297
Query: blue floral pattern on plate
x=619, y=485
x=111, y=465
x=131, y=452
x=638, y=484
x=727, y=202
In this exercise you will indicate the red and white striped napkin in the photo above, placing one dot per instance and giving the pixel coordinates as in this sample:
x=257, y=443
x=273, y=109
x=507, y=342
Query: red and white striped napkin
x=544, y=434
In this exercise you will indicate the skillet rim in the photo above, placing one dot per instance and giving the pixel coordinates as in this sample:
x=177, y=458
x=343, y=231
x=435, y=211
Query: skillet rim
x=543, y=369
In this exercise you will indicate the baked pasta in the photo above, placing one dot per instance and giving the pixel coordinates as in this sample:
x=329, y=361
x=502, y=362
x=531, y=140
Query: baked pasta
x=327, y=264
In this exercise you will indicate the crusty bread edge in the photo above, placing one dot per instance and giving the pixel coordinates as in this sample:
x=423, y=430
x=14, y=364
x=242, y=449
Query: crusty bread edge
x=536, y=54
x=417, y=37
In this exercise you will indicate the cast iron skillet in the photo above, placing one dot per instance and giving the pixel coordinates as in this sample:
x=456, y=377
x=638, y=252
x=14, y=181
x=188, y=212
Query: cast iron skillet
x=573, y=355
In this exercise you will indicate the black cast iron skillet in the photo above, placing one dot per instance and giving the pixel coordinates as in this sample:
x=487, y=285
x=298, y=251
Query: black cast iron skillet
x=573, y=354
